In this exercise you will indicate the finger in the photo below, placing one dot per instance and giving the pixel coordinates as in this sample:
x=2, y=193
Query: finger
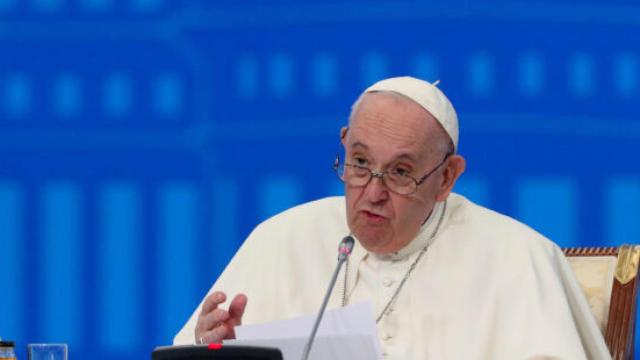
x=215, y=336
x=212, y=301
x=213, y=319
x=210, y=304
x=236, y=309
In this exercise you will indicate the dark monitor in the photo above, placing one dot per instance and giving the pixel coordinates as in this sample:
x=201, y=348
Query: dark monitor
x=204, y=352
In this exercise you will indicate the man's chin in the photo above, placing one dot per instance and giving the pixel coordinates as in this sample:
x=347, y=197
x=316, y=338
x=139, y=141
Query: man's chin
x=373, y=240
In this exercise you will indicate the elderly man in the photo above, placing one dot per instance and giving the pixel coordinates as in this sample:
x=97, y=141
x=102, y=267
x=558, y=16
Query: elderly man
x=448, y=278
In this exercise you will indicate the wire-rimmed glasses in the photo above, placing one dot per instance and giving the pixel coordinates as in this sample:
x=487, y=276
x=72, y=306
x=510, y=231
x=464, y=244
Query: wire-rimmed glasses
x=397, y=182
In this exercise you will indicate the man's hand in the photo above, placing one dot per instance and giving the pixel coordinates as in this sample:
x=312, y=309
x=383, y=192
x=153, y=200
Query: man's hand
x=215, y=324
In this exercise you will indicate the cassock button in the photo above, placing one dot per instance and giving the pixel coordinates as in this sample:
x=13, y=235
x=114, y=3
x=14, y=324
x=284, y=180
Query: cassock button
x=387, y=282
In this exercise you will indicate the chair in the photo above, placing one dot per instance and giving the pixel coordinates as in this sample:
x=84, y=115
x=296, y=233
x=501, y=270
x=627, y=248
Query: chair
x=609, y=277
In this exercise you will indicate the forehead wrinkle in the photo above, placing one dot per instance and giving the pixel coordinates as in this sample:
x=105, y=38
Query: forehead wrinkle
x=401, y=156
x=410, y=149
x=403, y=136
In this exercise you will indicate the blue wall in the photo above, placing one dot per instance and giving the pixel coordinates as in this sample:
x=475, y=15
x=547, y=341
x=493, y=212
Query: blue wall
x=141, y=140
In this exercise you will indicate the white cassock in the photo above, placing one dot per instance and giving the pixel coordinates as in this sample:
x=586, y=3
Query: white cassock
x=488, y=287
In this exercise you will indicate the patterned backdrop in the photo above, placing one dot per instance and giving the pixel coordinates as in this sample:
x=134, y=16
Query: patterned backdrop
x=142, y=140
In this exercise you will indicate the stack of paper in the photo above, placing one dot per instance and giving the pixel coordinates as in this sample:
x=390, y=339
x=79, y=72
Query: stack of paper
x=348, y=333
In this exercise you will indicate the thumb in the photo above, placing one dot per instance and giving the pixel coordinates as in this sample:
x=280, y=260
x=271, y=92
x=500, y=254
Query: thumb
x=236, y=309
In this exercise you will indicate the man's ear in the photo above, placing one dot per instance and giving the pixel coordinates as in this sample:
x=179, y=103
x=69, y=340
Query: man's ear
x=343, y=134
x=455, y=167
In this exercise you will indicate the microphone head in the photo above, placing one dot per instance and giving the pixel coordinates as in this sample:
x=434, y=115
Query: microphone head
x=346, y=245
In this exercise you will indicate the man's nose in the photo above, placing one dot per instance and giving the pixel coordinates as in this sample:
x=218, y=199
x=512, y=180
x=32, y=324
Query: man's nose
x=376, y=190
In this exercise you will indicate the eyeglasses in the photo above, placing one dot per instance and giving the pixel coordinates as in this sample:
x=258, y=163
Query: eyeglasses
x=397, y=182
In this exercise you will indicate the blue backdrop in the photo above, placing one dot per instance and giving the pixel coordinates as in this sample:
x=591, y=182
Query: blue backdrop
x=141, y=140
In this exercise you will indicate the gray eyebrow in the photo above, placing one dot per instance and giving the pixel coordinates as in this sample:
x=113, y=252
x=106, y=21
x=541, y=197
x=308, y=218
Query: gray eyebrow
x=359, y=144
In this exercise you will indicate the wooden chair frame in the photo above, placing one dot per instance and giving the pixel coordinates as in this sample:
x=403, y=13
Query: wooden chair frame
x=620, y=330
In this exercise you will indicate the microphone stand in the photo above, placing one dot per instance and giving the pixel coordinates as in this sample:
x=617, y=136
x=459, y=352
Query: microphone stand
x=346, y=245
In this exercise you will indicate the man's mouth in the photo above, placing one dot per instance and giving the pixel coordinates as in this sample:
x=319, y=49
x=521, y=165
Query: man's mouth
x=373, y=217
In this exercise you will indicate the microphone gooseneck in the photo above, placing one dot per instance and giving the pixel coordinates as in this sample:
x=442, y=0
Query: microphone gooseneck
x=344, y=250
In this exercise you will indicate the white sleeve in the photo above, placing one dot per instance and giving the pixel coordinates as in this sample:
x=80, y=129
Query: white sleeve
x=244, y=274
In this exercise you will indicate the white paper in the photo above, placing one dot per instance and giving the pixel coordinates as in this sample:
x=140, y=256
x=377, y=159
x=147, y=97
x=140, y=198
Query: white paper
x=345, y=333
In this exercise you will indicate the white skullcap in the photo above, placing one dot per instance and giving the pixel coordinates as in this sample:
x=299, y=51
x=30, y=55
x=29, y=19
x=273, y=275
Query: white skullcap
x=426, y=95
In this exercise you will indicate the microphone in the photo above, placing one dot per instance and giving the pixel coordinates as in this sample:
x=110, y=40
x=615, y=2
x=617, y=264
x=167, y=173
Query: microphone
x=344, y=250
